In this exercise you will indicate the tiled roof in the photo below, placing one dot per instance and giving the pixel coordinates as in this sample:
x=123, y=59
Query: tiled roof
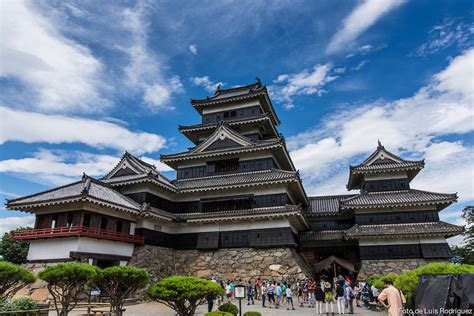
x=87, y=188
x=232, y=92
x=261, y=145
x=322, y=235
x=236, y=180
x=326, y=205
x=406, y=229
x=405, y=165
x=137, y=178
x=268, y=211
x=397, y=198
x=238, y=121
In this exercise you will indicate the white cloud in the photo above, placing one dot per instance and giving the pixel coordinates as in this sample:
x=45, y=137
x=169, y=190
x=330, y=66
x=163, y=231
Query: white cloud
x=193, y=49
x=8, y=224
x=360, y=65
x=359, y=20
x=306, y=82
x=59, y=167
x=205, y=82
x=411, y=126
x=29, y=127
x=144, y=73
x=452, y=32
x=61, y=74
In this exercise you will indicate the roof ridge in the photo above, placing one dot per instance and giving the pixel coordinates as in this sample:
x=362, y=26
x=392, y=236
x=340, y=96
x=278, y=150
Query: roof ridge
x=45, y=191
x=235, y=174
x=331, y=196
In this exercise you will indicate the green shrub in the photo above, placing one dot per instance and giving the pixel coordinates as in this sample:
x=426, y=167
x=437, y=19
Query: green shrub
x=408, y=281
x=184, y=294
x=229, y=308
x=119, y=283
x=22, y=304
x=250, y=313
x=66, y=282
x=13, y=277
x=218, y=313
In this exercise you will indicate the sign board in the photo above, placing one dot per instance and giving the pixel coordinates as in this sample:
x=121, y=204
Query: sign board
x=239, y=291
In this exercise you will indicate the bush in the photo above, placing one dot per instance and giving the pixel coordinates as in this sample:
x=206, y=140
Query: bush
x=250, y=313
x=229, y=308
x=66, y=282
x=14, y=251
x=184, y=294
x=218, y=313
x=119, y=283
x=408, y=281
x=13, y=277
x=23, y=303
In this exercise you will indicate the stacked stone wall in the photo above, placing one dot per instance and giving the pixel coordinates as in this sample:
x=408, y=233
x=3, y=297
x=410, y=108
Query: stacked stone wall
x=387, y=266
x=238, y=263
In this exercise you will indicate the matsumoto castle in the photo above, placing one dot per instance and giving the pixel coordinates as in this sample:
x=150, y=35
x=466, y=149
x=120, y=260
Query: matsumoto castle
x=238, y=208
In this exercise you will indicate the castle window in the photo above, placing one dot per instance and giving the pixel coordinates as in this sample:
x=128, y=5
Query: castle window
x=119, y=226
x=233, y=113
x=54, y=221
x=103, y=223
x=69, y=220
x=86, y=220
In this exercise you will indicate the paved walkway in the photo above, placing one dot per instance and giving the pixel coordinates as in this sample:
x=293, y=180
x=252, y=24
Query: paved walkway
x=153, y=309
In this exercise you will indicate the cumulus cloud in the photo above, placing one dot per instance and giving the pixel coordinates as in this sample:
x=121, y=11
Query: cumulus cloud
x=10, y=223
x=206, y=83
x=359, y=20
x=452, y=32
x=57, y=167
x=29, y=127
x=193, y=49
x=306, y=82
x=413, y=127
x=60, y=74
x=144, y=73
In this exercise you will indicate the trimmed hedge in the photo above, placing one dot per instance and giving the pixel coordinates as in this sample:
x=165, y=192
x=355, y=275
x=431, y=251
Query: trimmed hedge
x=251, y=313
x=408, y=281
x=229, y=308
x=216, y=313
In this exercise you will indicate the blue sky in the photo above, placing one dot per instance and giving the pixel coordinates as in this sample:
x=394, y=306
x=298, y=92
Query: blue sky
x=82, y=82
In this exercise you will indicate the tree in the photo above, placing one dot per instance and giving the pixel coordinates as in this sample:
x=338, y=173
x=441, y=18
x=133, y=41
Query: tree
x=14, y=250
x=13, y=277
x=184, y=294
x=465, y=253
x=66, y=282
x=119, y=283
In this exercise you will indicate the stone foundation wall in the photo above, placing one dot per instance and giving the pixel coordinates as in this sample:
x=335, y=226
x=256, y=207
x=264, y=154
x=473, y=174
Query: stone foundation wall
x=386, y=266
x=238, y=263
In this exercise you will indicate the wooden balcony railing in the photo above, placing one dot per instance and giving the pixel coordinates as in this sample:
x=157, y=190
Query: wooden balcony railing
x=78, y=231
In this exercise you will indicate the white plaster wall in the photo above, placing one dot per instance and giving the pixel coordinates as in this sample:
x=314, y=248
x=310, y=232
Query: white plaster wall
x=387, y=175
x=59, y=248
x=230, y=107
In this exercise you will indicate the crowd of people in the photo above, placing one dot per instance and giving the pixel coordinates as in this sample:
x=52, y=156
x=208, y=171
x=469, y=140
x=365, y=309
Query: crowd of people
x=327, y=296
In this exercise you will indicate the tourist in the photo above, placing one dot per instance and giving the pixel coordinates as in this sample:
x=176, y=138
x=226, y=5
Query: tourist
x=366, y=296
x=319, y=296
x=289, y=297
x=232, y=288
x=375, y=291
x=311, y=289
x=228, y=291
x=278, y=293
x=271, y=294
x=210, y=302
x=357, y=293
x=264, y=292
x=305, y=291
x=349, y=295
x=257, y=292
x=394, y=297
x=328, y=297
x=250, y=293
x=300, y=293
x=340, y=298
x=283, y=297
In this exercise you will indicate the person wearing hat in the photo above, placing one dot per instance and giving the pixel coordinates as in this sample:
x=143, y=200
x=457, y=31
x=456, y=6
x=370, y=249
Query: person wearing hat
x=394, y=297
x=328, y=297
